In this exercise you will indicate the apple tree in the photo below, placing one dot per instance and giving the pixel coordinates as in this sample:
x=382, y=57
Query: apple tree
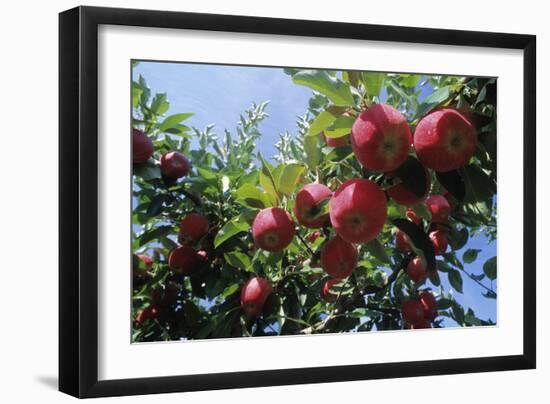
x=354, y=225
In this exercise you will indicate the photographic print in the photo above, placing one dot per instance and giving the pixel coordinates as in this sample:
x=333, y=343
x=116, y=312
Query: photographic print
x=270, y=201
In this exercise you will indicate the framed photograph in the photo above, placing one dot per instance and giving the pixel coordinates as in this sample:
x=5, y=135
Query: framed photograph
x=252, y=201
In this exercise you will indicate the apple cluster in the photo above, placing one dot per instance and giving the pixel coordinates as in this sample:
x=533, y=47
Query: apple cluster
x=381, y=141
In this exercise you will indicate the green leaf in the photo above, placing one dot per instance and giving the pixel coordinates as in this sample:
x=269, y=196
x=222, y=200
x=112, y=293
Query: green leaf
x=313, y=151
x=173, y=120
x=373, y=81
x=159, y=105
x=490, y=268
x=341, y=127
x=444, y=304
x=338, y=91
x=238, y=259
x=231, y=228
x=289, y=175
x=148, y=171
x=321, y=122
x=320, y=209
x=453, y=182
x=413, y=176
x=455, y=279
x=470, y=255
x=267, y=181
x=433, y=100
x=231, y=289
x=136, y=94
x=377, y=250
x=458, y=239
x=422, y=211
x=252, y=197
x=154, y=234
x=155, y=207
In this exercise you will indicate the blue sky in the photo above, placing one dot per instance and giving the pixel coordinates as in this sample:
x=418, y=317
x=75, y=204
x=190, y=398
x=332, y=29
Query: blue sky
x=217, y=94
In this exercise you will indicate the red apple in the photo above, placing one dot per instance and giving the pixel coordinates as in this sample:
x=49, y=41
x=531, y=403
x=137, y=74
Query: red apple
x=174, y=165
x=403, y=196
x=358, y=210
x=273, y=229
x=192, y=228
x=439, y=241
x=412, y=216
x=338, y=258
x=326, y=293
x=381, y=138
x=147, y=262
x=336, y=141
x=412, y=311
x=401, y=241
x=439, y=208
x=254, y=293
x=416, y=270
x=147, y=313
x=183, y=260
x=142, y=147
x=306, y=200
x=430, y=305
x=445, y=140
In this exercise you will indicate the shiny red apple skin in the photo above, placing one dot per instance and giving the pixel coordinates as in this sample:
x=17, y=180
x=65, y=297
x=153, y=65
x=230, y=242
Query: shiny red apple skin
x=381, y=138
x=439, y=208
x=338, y=258
x=412, y=311
x=183, y=260
x=416, y=270
x=174, y=165
x=439, y=241
x=445, y=140
x=273, y=229
x=254, y=293
x=142, y=147
x=429, y=303
x=306, y=199
x=192, y=228
x=358, y=210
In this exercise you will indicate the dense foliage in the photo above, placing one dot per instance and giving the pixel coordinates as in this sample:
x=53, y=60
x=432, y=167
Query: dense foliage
x=229, y=182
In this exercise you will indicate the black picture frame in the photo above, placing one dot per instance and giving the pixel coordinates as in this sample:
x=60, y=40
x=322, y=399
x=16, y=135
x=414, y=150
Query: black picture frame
x=78, y=196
